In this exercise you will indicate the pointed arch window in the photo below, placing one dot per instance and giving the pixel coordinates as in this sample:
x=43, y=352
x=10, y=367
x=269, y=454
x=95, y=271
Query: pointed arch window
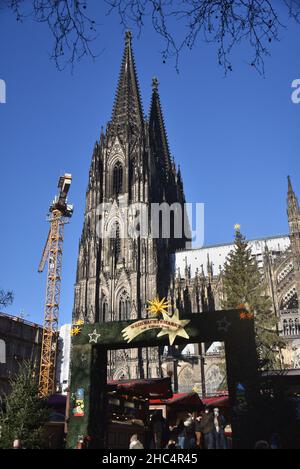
x=104, y=309
x=124, y=306
x=117, y=178
x=115, y=241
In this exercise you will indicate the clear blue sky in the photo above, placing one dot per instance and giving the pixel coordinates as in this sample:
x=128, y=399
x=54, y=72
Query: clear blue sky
x=236, y=139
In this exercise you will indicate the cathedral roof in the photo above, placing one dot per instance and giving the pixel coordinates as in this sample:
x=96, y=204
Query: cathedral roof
x=197, y=257
x=127, y=106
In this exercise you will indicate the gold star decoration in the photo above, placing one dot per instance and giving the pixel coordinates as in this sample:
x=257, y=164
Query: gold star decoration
x=80, y=322
x=179, y=331
x=158, y=306
x=237, y=227
x=75, y=330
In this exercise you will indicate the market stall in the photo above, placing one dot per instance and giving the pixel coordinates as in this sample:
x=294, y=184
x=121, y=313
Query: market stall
x=178, y=406
x=128, y=408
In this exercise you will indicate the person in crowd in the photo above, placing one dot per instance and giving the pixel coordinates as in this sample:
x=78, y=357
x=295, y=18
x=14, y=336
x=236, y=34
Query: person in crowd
x=180, y=432
x=149, y=441
x=17, y=444
x=189, y=427
x=198, y=432
x=158, y=429
x=166, y=435
x=219, y=430
x=207, y=429
x=171, y=444
x=135, y=443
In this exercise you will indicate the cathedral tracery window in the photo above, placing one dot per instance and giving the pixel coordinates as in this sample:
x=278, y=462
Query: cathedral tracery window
x=290, y=300
x=120, y=374
x=117, y=178
x=186, y=380
x=288, y=269
x=124, y=306
x=115, y=241
x=214, y=378
x=104, y=309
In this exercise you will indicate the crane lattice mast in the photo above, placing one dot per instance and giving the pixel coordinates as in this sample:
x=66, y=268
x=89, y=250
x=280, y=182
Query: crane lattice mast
x=59, y=213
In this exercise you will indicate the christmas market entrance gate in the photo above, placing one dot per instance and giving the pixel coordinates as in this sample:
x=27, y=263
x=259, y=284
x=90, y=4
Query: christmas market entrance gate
x=88, y=403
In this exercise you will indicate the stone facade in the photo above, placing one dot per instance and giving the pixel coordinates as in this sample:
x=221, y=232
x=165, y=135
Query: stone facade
x=20, y=341
x=199, y=286
x=131, y=165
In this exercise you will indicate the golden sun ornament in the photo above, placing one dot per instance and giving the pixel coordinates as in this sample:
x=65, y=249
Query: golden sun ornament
x=158, y=306
x=80, y=322
x=75, y=330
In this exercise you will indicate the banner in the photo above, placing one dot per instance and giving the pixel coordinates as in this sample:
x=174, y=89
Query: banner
x=171, y=326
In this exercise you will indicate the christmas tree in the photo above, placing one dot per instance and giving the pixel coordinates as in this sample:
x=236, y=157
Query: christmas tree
x=244, y=284
x=23, y=413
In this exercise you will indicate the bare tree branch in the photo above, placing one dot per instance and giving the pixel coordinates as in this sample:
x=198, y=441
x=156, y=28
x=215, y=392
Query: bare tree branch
x=181, y=24
x=71, y=27
x=225, y=23
x=6, y=298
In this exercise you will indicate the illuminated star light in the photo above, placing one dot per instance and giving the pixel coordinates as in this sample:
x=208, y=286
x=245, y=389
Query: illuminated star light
x=158, y=306
x=94, y=336
x=180, y=332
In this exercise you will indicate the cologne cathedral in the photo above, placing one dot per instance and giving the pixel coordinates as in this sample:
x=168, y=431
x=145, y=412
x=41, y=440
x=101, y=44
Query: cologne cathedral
x=131, y=165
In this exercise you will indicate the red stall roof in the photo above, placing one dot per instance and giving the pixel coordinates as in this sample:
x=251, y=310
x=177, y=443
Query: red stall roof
x=185, y=399
x=216, y=401
x=155, y=388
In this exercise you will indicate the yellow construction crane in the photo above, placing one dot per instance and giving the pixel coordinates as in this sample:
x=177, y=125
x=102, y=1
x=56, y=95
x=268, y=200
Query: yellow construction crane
x=59, y=213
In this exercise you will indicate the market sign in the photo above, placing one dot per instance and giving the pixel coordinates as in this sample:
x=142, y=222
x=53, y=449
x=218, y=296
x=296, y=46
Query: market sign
x=168, y=325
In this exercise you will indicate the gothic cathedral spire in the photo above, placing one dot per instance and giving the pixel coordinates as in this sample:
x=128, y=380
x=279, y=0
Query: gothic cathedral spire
x=127, y=112
x=157, y=131
x=293, y=212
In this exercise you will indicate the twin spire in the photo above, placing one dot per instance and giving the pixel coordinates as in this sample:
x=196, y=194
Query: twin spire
x=128, y=104
x=128, y=111
x=128, y=107
x=158, y=130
